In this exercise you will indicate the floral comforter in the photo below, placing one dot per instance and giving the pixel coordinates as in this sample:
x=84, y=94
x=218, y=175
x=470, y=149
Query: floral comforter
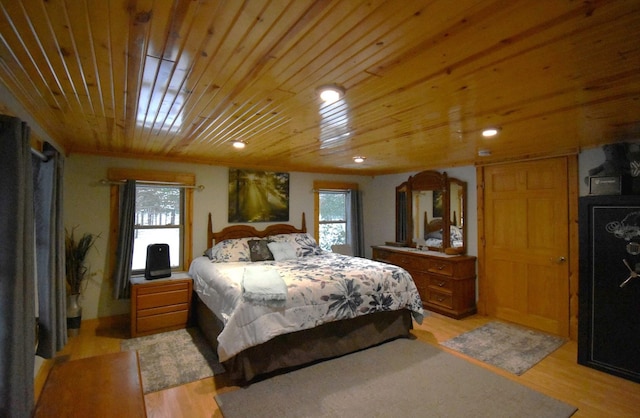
x=320, y=289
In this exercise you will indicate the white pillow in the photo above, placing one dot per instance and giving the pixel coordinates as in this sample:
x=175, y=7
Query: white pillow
x=282, y=251
x=303, y=243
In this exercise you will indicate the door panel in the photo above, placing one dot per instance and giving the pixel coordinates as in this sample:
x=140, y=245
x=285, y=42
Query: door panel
x=526, y=244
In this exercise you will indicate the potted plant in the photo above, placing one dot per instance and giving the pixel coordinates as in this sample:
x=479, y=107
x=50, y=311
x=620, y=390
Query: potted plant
x=76, y=274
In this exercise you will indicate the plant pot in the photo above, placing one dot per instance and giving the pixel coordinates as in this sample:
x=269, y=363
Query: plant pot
x=74, y=315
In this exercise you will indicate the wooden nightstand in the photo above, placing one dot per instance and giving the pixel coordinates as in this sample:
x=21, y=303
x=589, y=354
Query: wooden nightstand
x=160, y=305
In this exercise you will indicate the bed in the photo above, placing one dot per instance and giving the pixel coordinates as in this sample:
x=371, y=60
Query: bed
x=317, y=305
x=433, y=233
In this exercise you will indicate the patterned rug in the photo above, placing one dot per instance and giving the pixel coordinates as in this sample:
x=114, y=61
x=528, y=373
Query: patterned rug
x=510, y=347
x=173, y=358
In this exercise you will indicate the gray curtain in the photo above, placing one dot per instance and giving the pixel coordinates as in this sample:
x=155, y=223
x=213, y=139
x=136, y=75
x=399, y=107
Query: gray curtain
x=124, y=255
x=17, y=270
x=49, y=229
x=357, y=229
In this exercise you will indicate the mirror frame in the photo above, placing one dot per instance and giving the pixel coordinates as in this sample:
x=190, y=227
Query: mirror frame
x=434, y=181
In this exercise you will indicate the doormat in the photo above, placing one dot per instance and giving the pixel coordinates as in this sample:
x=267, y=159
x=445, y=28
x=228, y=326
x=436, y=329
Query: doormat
x=510, y=347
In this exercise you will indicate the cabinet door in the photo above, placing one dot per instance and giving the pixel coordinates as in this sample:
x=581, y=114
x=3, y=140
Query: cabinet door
x=609, y=337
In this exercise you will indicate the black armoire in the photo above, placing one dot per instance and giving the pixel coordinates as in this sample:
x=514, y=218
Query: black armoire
x=609, y=315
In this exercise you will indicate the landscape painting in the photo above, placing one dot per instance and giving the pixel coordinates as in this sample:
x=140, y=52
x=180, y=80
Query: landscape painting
x=258, y=196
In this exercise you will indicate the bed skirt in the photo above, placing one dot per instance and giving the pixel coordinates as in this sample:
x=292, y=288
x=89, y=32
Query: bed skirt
x=292, y=350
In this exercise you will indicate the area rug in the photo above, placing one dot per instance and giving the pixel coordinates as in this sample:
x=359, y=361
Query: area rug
x=510, y=347
x=401, y=378
x=173, y=358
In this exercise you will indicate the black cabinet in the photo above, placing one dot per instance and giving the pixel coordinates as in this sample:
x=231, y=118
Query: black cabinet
x=609, y=316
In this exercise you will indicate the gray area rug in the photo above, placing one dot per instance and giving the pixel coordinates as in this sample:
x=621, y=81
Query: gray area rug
x=173, y=358
x=401, y=378
x=510, y=347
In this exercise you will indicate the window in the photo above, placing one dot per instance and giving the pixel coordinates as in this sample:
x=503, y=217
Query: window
x=332, y=216
x=158, y=219
x=333, y=213
x=164, y=206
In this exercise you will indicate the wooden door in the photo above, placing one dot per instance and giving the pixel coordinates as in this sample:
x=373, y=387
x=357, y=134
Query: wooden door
x=526, y=238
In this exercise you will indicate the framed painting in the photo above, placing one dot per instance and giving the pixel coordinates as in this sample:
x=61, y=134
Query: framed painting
x=437, y=204
x=258, y=196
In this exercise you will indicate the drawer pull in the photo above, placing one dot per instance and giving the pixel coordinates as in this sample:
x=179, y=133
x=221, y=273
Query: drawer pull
x=440, y=298
x=441, y=266
x=440, y=284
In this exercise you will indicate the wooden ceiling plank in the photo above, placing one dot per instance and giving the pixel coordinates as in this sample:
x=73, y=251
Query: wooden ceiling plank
x=23, y=54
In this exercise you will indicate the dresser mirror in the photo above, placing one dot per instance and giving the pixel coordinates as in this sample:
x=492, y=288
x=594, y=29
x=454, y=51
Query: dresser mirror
x=430, y=209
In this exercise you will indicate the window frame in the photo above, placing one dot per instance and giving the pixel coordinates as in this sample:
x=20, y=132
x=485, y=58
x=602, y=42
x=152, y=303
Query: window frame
x=186, y=180
x=331, y=186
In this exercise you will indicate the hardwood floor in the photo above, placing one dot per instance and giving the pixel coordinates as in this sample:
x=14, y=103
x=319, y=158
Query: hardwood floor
x=596, y=394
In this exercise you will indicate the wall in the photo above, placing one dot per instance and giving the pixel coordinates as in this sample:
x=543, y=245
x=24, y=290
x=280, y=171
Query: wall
x=86, y=207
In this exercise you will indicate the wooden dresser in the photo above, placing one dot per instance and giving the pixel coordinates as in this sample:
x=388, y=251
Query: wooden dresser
x=160, y=305
x=446, y=283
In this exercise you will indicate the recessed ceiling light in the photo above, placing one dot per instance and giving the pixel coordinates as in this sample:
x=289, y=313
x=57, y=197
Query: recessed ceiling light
x=330, y=93
x=239, y=144
x=359, y=159
x=489, y=132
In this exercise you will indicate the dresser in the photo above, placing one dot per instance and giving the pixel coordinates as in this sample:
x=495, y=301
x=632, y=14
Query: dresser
x=160, y=305
x=446, y=283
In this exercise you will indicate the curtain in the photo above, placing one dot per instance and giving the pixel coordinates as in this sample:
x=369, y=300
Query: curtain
x=50, y=272
x=124, y=255
x=357, y=228
x=17, y=270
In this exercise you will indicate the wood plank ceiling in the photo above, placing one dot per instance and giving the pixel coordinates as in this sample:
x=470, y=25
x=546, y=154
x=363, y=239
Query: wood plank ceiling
x=181, y=79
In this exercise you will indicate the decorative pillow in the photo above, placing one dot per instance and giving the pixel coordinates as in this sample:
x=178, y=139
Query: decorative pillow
x=282, y=250
x=231, y=250
x=259, y=251
x=303, y=243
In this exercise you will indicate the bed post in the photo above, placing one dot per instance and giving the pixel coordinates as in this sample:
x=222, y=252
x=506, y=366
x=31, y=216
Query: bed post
x=210, y=232
x=304, y=223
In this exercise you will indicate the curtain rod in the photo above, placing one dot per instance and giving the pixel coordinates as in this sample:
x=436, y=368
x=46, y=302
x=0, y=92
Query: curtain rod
x=154, y=183
x=39, y=155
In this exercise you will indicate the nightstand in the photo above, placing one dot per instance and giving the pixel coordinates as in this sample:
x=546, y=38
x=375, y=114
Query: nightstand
x=161, y=304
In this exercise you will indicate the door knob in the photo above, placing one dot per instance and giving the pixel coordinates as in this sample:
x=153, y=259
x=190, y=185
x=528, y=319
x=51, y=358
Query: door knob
x=559, y=260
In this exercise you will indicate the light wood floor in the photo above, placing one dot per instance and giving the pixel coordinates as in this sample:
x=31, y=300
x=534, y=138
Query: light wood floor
x=596, y=394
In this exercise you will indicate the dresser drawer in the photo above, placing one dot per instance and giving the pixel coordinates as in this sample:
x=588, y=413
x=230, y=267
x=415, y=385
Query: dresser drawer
x=440, y=298
x=441, y=282
x=440, y=267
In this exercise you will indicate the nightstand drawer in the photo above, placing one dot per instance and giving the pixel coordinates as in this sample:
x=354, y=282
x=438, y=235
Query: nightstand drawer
x=163, y=309
x=173, y=297
x=162, y=321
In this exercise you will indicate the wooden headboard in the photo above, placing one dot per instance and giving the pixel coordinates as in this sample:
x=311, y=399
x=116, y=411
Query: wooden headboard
x=243, y=231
